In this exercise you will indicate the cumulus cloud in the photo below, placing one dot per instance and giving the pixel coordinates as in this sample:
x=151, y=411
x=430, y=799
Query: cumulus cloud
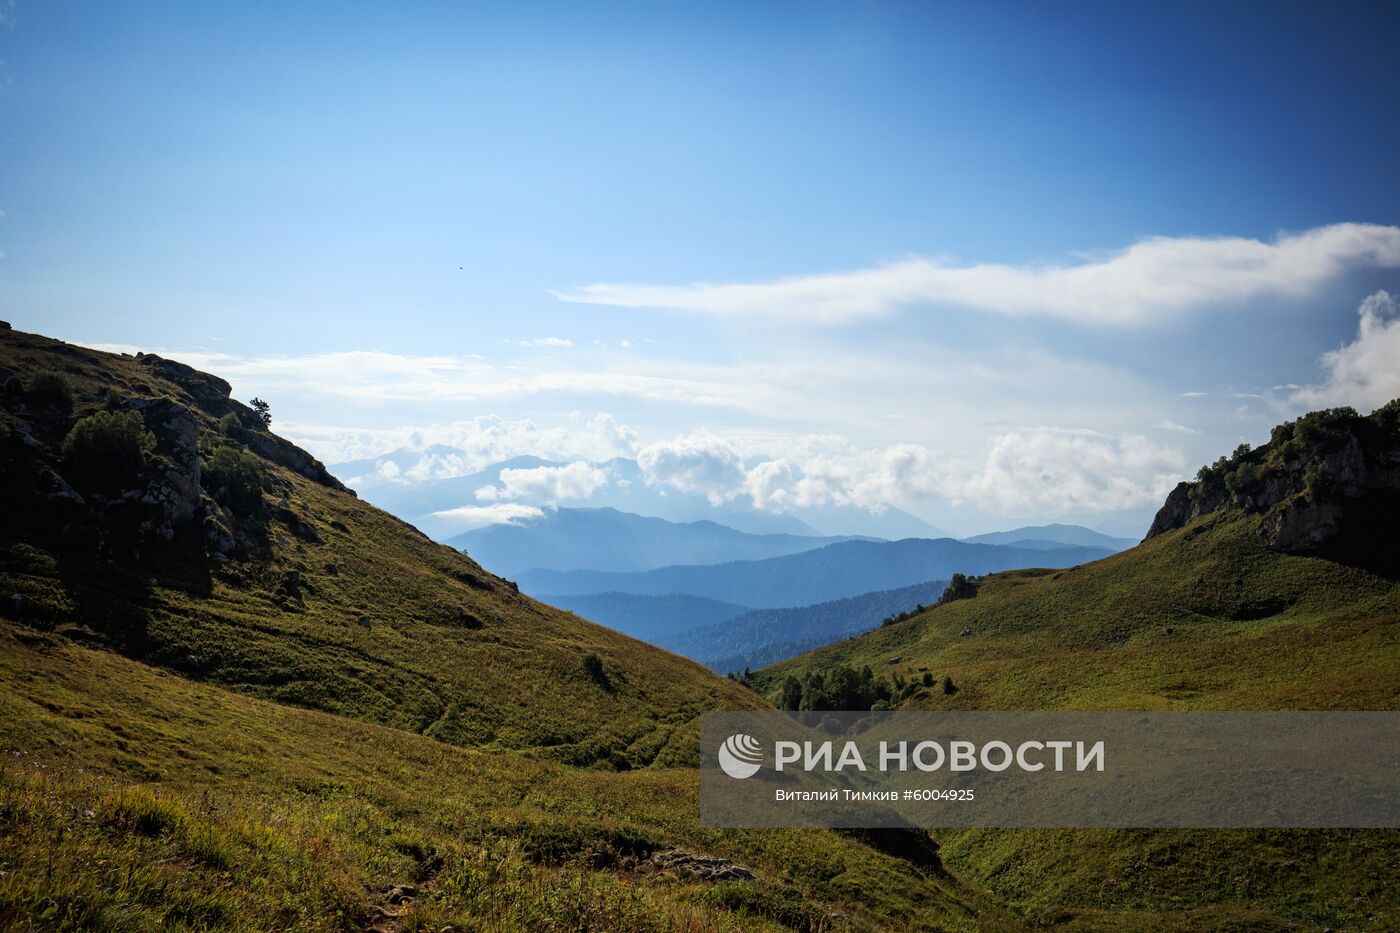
x=1047, y=470
x=1154, y=278
x=1366, y=372
x=550, y=484
x=696, y=463
x=1058, y=470
x=459, y=448
x=548, y=342
x=479, y=516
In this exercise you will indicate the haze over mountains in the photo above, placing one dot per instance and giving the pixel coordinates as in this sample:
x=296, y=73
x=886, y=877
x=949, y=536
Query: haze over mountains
x=835, y=571
x=606, y=539
x=704, y=588
x=412, y=485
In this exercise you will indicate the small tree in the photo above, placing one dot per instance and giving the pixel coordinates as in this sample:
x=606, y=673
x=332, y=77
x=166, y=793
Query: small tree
x=234, y=477
x=107, y=450
x=262, y=410
x=948, y=686
x=928, y=678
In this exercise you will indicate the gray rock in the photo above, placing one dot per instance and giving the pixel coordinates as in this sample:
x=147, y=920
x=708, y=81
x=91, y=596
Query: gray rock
x=704, y=867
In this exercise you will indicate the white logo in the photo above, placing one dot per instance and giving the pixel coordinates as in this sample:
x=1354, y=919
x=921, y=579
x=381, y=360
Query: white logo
x=741, y=756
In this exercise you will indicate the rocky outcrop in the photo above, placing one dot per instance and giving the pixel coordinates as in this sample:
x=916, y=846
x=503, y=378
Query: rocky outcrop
x=174, y=486
x=701, y=867
x=1327, y=476
x=209, y=392
x=292, y=457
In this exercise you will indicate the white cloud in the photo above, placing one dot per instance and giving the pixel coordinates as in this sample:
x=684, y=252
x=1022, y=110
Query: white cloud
x=546, y=484
x=1366, y=372
x=548, y=342
x=479, y=516
x=696, y=463
x=1169, y=425
x=1193, y=395
x=1046, y=470
x=474, y=444
x=1156, y=277
x=1055, y=470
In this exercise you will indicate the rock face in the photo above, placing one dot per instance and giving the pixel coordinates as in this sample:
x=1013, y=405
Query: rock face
x=1330, y=479
x=175, y=487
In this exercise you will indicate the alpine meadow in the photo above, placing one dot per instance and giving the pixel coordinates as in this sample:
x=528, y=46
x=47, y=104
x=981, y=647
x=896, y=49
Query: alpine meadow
x=453, y=456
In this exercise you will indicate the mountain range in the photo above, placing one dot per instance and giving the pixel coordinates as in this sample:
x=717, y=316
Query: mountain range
x=606, y=539
x=238, y=697
x=835, y=571
x=1049, y=537
x=761, y=637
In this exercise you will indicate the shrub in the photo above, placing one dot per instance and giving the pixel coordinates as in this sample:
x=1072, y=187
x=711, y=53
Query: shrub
x=948, y=686
x=928, y=678
x=790, y=694
x=13, y=387
x=107, y=450
x=234, y=478
x=593, y=667
x=230, y=425
x=51, y=389
x=1317, y=480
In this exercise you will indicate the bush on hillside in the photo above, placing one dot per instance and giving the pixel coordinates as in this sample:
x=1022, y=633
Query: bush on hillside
x=593, y=667
x=50, y=389
x=107, y=450
x=234, y=478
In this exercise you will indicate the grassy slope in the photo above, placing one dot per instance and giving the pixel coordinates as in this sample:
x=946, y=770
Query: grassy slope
x=250, y=757
x=513, y=681
x=1200, y=618
x=135, y=799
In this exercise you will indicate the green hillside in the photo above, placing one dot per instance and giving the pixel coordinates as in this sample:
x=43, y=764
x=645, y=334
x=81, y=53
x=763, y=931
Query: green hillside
x=236, y=697
x=131, y=799
x=233, y=696
x=300, y=593
x=1208, y=613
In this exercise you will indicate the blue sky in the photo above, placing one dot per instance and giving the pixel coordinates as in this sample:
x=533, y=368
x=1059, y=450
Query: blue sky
x=402, y=225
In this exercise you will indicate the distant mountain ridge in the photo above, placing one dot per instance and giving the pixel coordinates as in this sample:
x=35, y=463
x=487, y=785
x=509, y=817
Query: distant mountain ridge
x=1043, y=537
x=606, y=539
x=650, y=618
x=836, y=571
x=766, y=636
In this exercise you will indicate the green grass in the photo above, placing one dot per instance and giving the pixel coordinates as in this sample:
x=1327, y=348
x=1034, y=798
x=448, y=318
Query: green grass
x=1200, y=618
x=133, y=799
x=448, y=650
x=190, y=745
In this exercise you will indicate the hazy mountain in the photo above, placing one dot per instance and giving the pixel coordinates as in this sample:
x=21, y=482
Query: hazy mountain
x=835, y=571
x=766, y=636
x=1049, y=537
x=402, y=482
x=606, y=539
x=650, y=618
